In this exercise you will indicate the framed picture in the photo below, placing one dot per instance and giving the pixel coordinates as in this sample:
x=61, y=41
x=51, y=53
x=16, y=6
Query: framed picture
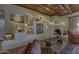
x=19, y=28
x=39, y=28
x=9, y=36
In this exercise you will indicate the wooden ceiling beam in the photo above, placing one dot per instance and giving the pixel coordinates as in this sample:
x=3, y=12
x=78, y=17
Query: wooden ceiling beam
x=46, y=8
x=65, y=7
x=68, y=8
x=60, y=6
x=53, y=10
x=49, y=10
x=32, y=9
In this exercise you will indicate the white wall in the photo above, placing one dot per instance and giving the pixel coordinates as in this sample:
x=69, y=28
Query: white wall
x=61, y=27
x=21, y=38
x=2, y=28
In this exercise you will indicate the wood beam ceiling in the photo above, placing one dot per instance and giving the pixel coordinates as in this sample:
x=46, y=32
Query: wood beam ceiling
x=68, y=8
x=53, y=10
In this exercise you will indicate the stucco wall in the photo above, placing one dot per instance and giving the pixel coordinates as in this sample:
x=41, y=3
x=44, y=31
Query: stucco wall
x=21, y=38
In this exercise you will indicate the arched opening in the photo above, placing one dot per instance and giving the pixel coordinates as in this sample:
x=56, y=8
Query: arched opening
x=57, y=31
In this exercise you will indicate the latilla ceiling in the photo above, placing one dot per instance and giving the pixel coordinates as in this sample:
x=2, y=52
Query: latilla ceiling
x=52, y=9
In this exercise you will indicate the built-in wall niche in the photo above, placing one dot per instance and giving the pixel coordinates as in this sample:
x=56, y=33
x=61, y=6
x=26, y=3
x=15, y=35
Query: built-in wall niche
x=30, y=18
x=28, y=24
x=17, y=18
x=17, y=22
x=29, y=29
x=9, y=36
x=19, y=28
x=39, y=19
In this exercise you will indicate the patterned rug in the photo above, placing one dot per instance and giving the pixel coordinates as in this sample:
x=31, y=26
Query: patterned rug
x=46, y=51
x=70, y=49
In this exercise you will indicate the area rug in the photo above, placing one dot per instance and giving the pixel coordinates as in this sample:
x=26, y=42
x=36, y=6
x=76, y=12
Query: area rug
x=69, y=49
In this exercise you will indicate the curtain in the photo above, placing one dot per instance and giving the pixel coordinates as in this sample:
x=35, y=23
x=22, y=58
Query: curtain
x=73, y=24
